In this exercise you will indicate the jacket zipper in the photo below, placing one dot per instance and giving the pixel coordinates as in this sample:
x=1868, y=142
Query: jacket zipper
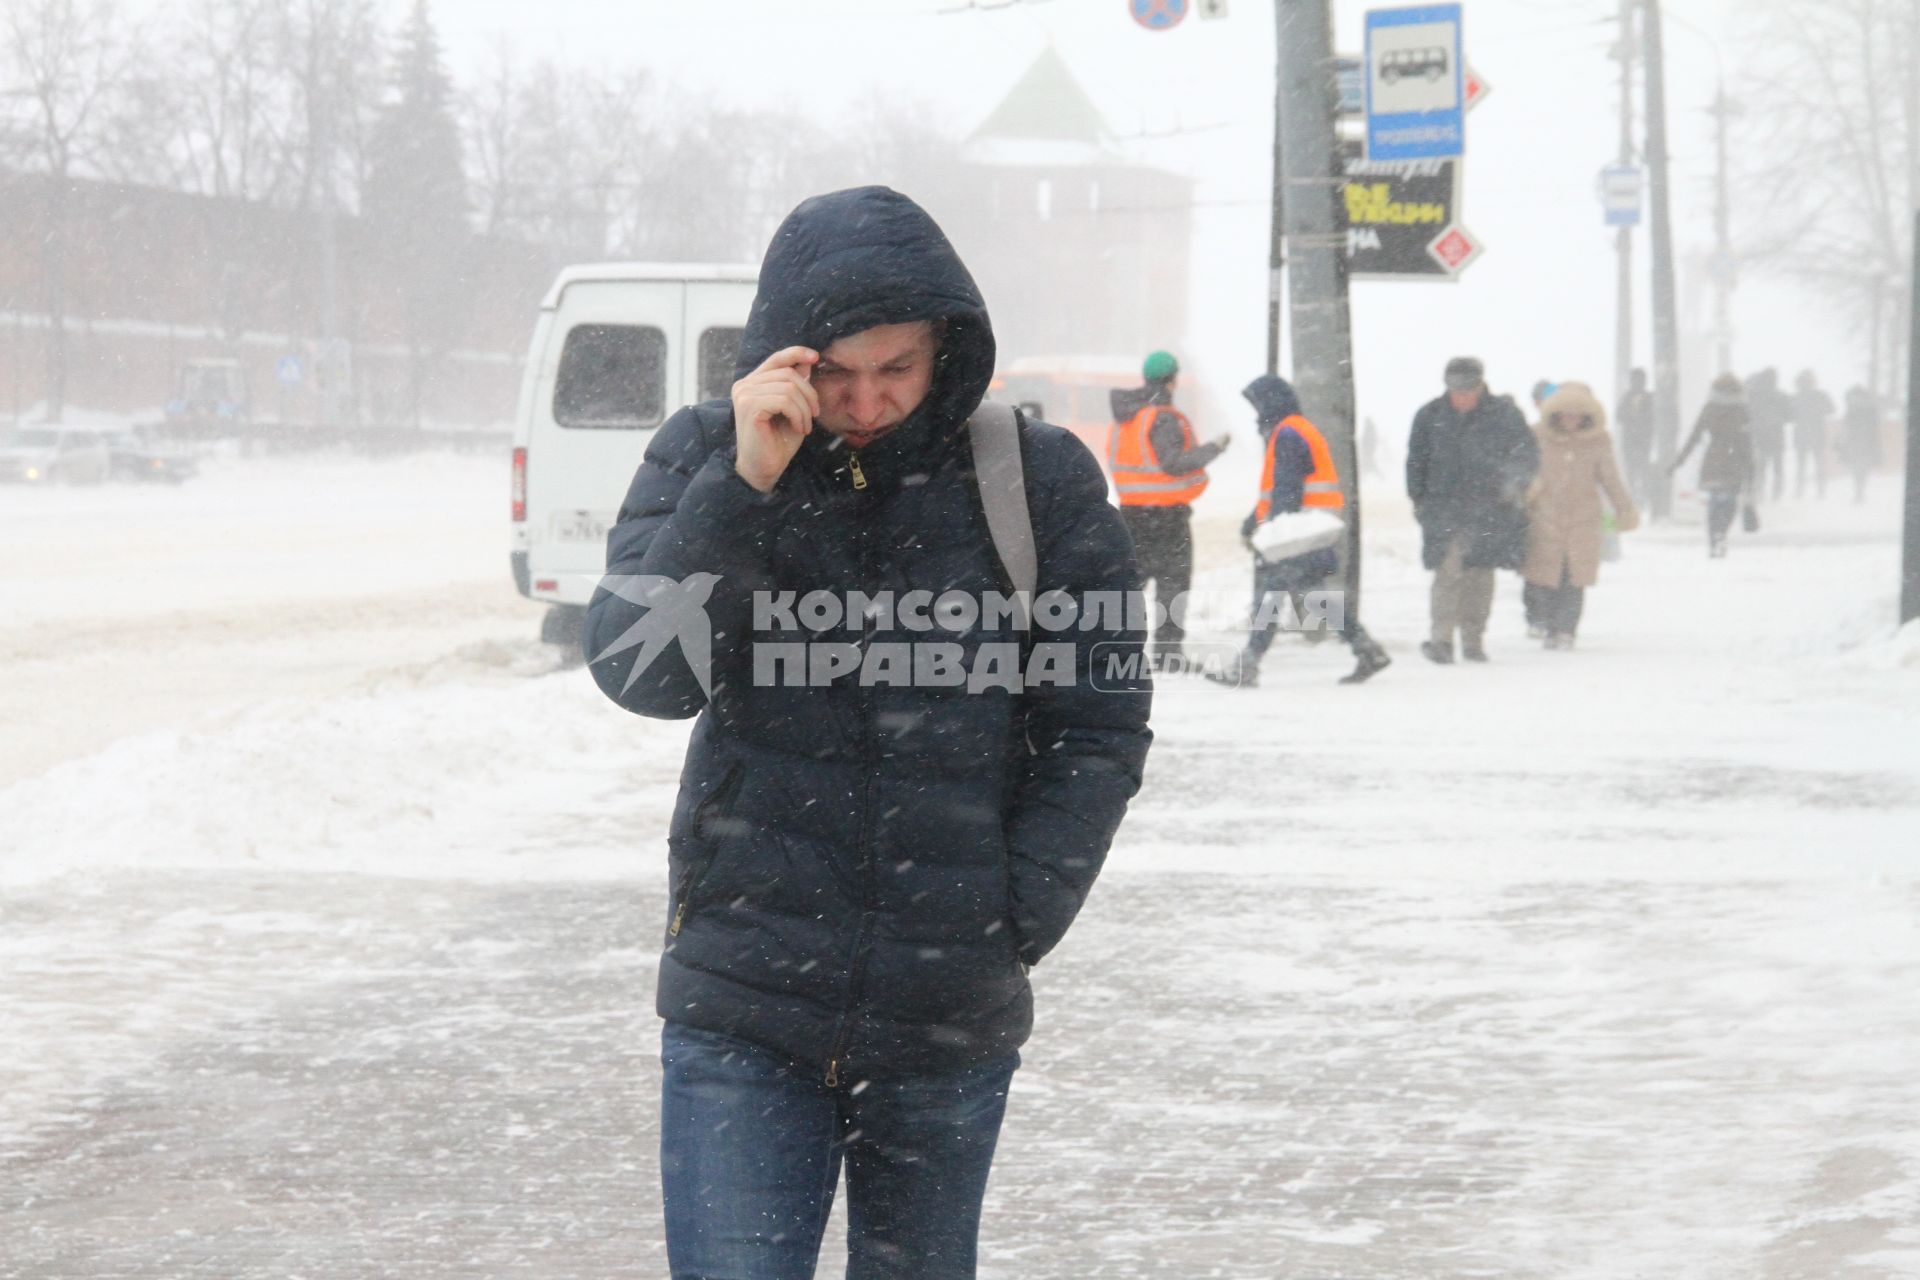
x=859, y=476
x=698, y=872
x=857, y=978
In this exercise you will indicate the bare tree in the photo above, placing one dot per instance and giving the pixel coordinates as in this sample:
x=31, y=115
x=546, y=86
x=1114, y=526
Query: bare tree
x=1833, y=144
x=62, y=63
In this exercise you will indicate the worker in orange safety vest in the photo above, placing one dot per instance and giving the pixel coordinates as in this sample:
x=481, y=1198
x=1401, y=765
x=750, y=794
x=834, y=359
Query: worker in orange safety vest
x=1297, y=473
x=1159, y=468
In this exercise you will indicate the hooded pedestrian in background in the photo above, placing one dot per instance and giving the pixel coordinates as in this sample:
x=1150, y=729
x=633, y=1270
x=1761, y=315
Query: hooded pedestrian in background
x=1566, y=525
x=1636, y=435
x=1860, y=441
x=1470, y=459
x=1812, y=411
x=1769, y=409
x=1727, y=468
x=862, y=869
x=1298, y=472
x=1159, y=470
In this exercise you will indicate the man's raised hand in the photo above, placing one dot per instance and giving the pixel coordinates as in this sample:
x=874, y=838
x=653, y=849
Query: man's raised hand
x=773, y=410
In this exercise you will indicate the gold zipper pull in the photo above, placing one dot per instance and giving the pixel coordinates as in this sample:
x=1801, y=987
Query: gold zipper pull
x=673, y=930
x=833, y=1074
x=859, y=482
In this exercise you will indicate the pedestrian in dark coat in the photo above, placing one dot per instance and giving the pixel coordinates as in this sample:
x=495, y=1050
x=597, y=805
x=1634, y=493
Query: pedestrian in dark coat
x=1470, y=459
x=1860, y=443
x=1769, y=410
x=1636, y=435
x=1727, y=467
x=1812, y=411
x=863, y=863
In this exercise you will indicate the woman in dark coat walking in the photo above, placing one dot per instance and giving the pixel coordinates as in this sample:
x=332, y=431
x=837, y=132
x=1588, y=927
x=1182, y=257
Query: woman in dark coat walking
x=1726, y=470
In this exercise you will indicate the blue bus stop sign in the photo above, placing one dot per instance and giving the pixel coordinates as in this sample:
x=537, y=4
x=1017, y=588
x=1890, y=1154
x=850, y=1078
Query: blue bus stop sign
x=1416, y=97
x=289, y=370
x=1158, y=15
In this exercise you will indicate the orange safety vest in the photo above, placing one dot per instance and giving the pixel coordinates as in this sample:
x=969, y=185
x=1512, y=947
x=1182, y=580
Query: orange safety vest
x=1137, y=476
x=1322, y=487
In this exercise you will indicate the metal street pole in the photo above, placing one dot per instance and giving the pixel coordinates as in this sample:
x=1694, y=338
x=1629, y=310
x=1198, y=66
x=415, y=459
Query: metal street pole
x=1623, y=236
x=1666, y=307
x=1723, y=263
x=1317, y=249
x=1276, y=232
x=1910, y=556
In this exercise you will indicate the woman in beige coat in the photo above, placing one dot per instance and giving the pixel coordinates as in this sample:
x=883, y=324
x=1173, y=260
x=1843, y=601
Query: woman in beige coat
x=1565, y=530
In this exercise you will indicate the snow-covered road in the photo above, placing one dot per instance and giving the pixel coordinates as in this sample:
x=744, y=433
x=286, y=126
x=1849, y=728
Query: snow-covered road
x=335, y=958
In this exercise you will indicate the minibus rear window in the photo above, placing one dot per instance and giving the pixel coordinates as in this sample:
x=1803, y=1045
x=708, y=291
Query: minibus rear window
x=612, y=377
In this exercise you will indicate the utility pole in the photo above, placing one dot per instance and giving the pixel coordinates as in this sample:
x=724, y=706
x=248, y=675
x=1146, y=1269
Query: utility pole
x=1623, y=235
x=1725, y=274
x=1910, y=556
x=1666, y=308
x=1276, y=233
x=1317, y=248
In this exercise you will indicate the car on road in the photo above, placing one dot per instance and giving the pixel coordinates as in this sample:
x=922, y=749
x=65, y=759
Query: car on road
x=46, y=455
x=132, y=457
x=616, y=348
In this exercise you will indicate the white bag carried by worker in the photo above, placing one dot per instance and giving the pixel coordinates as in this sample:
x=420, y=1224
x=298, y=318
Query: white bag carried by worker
x=1295, y=533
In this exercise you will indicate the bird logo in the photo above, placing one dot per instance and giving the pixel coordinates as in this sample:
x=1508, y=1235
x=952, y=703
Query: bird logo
x=674, y=611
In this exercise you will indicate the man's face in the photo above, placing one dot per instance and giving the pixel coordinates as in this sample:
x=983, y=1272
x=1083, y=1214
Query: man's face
x=1464, y=401
x=870, y=381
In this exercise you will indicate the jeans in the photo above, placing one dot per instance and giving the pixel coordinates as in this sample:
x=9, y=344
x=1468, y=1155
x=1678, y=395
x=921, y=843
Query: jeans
x=1722, y=506
x=751, y=1147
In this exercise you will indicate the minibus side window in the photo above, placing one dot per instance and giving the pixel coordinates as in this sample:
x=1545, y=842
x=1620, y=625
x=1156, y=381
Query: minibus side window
x=719, y=348
x=612, y=376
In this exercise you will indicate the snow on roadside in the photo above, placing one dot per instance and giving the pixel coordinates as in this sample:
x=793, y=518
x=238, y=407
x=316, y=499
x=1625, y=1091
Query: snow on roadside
x=506, y=777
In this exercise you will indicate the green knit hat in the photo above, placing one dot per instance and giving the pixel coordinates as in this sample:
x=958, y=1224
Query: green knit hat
x=1159, y=366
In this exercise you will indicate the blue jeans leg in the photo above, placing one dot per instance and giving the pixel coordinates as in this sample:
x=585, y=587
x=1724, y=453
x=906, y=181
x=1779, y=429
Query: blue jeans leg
x=918, y=1154
x=751, y=1148
x=749, y=1155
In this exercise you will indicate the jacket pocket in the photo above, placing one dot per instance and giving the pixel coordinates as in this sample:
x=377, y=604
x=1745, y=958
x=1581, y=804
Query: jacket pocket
x=701, y=847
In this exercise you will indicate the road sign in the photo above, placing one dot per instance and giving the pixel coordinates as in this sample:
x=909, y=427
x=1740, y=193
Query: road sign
x=1396, y=212
x=1454, y=249
x=289, y=370
x=1476, y=89
x=1416, y=99
x=1158, y=15
x=1352, y=72
x=1620, y=194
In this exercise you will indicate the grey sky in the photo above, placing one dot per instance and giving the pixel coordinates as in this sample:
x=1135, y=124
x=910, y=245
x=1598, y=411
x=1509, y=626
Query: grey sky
x=1539, y=303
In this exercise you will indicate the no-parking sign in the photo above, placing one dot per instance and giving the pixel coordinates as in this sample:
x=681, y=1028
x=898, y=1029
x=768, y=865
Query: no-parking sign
x=1158, y=15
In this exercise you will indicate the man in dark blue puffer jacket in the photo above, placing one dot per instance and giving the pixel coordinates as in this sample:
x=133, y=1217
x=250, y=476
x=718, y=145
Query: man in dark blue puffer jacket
x=863, y=866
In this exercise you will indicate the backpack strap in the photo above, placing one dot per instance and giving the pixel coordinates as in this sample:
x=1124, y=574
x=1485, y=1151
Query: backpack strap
x=995, y=432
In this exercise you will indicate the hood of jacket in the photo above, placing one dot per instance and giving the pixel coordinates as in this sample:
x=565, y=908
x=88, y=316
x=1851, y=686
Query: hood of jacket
x=1575, y=399
x=1273, y=400
x=1128, y=401
x=849, y=260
